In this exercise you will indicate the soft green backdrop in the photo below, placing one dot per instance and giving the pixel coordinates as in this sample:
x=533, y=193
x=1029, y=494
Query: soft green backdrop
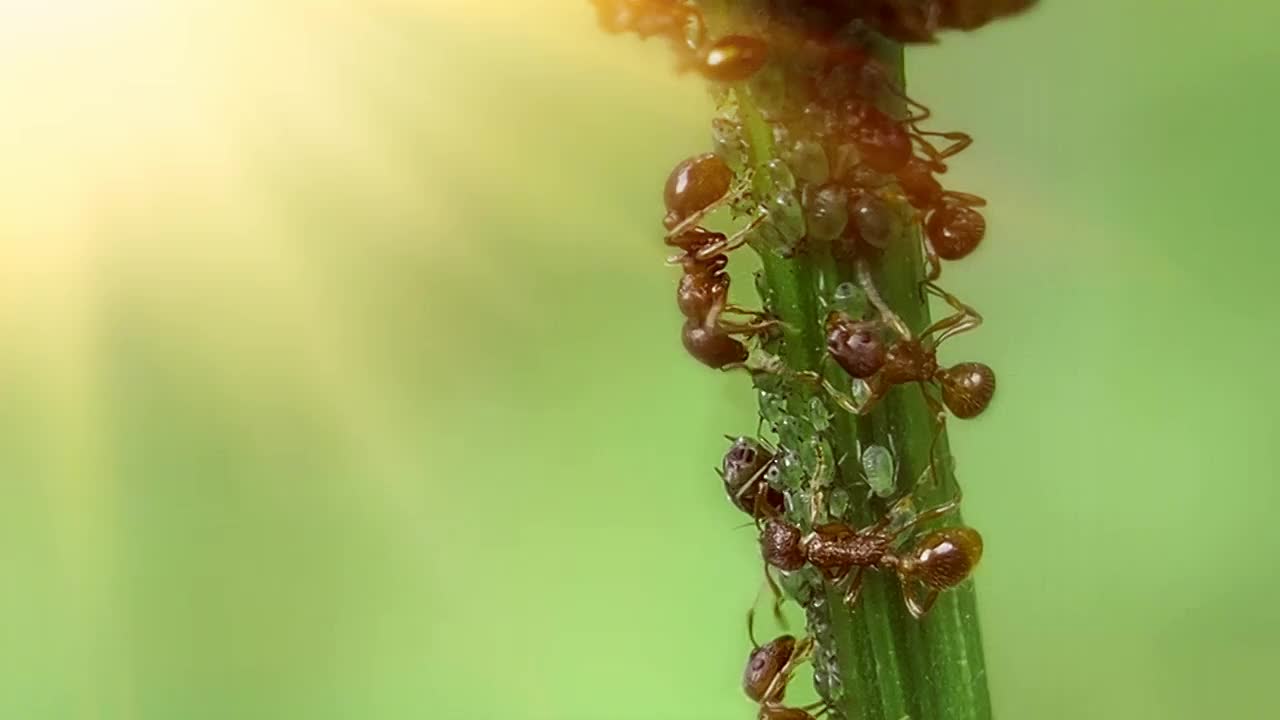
x=341, y=376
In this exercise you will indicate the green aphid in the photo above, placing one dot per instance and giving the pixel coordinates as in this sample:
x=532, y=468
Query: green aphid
x=880, y=469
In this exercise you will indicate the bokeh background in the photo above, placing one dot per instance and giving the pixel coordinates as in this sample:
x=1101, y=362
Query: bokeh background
x=340, y=374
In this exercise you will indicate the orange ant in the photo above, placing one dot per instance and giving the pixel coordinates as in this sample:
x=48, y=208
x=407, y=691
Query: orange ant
x=940, y=560
x=953, y=228
x=768, y=672
x=703, y=297
x=966, y=388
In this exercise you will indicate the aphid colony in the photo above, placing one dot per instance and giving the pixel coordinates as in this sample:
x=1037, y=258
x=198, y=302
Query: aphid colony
x=847, y=180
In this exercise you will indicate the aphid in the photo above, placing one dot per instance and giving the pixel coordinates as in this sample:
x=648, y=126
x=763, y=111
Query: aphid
x=880, y=469
x=746, y=470
x=937, y=561
x=966, y=388
x=733, y=58
x=768, y=672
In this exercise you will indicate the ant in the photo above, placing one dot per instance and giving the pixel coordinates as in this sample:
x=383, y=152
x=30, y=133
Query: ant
x=966, y=388
x=953, y=228
x=732, y=58
x=768, y=672
x=696, y=187
x=940, y=560
x=746, y=470
x=703, y=297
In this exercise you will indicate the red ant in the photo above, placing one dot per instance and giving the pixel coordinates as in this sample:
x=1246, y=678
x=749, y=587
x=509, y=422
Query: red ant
x=953, y=228
x=939, y=560
x=768, y=672
x=703, y=297
x=966, y=388
x=732, y=58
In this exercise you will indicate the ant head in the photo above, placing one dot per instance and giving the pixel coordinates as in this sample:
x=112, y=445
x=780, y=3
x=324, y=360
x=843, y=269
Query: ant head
x=693, y=185
x=955, y=231
x=856, y=346
x=945, y=558
x=711, y=346
x=967, y=388
x=780, y=545
x=734, y=58
x=763, y=666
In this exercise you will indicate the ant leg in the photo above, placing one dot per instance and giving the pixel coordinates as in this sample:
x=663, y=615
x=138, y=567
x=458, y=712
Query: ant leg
x=940, y=425
x=933, y=264
x=965, y=319
x=777, y=596
x=799, y=656
x=932, y=513
x=855, y=588
x=959, y=142
x=692, y=220
x=887, y=315
x=733, y=242
x=917, y=607
x=965, y=199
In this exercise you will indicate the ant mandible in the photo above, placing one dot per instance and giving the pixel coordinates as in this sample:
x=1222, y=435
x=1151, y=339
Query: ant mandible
x=966, y=388
x=940, y=560
x=768, y=672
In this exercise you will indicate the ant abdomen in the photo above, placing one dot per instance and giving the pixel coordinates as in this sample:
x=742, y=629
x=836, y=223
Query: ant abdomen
x=734, y=58
x=780, y=545
x=764, y=665
x=712, y=346
x=855, y=346
x=967, y=388
x=945, y=558
x=694, y=185
x=955, y=231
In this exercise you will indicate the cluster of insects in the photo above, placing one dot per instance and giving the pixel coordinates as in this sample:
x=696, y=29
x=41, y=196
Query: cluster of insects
x=834, y=165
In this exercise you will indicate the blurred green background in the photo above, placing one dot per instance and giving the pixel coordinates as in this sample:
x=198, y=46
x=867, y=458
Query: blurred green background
x=341, y=376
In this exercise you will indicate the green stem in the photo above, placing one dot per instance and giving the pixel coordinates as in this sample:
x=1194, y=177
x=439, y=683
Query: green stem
x=874, y=661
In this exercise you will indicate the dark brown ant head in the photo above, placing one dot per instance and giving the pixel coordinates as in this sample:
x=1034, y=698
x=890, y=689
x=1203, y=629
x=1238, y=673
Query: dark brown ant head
x=745, y=472
x=955, y=231
x=694, y=239
x=919, y=183
x=694, y=185
x=944, y=558
x=780, y=544
x=883, y=142
x=734, y=58
x=763, y=666
x=712, y=346
x=967, y=388
x=856, y=346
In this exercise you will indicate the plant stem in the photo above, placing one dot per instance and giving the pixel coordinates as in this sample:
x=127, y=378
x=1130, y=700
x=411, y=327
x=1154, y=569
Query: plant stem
x=874, y=661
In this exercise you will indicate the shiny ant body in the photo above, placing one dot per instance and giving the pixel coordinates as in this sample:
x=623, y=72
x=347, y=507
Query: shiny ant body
x=859, y=348
x=732, y=58
x=768, y=672
x=703, y=297
x=940, y=560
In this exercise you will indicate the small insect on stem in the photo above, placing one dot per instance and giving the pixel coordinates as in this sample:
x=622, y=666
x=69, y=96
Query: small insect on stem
x=937, y=561
x=768, y=672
